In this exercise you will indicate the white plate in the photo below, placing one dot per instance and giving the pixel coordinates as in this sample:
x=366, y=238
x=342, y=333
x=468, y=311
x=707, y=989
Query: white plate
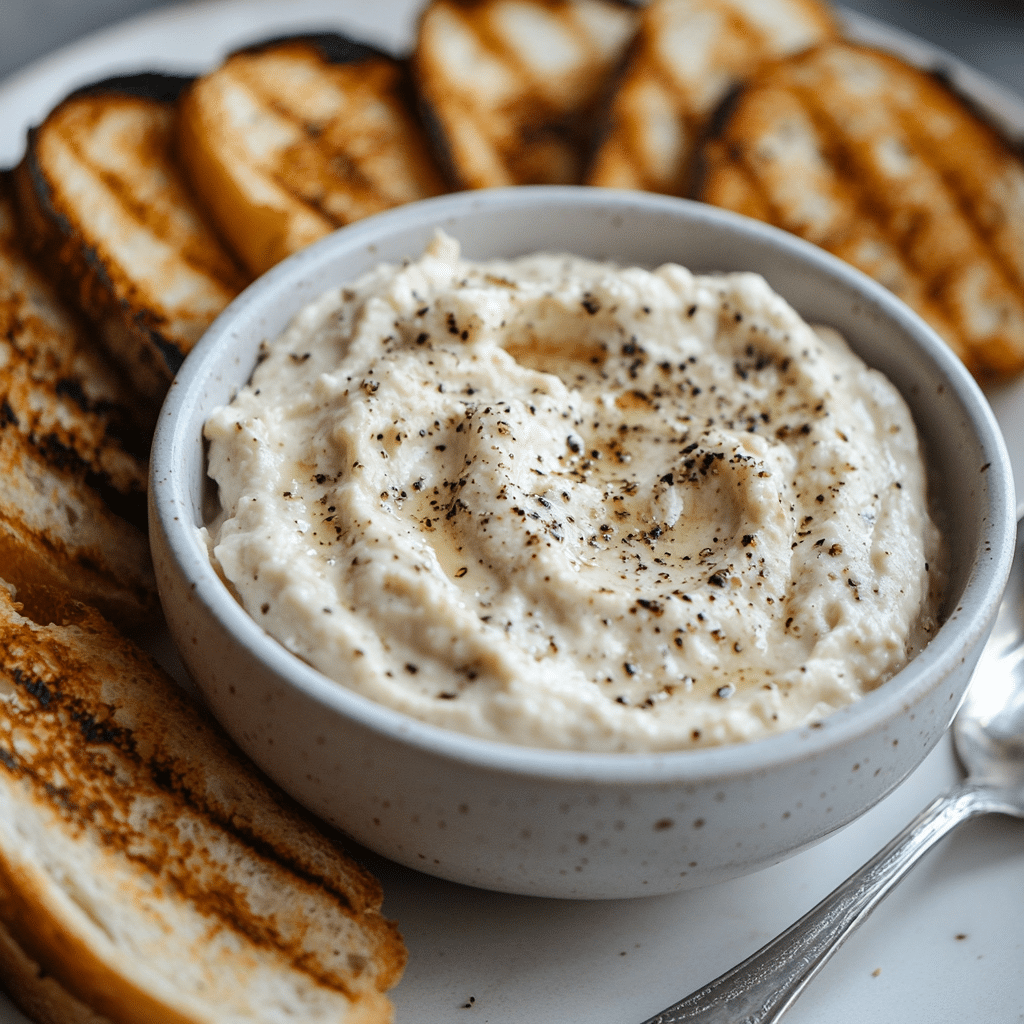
x=947, y=946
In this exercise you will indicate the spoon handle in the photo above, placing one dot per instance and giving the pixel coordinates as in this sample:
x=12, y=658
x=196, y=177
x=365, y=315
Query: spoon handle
x=761, y=989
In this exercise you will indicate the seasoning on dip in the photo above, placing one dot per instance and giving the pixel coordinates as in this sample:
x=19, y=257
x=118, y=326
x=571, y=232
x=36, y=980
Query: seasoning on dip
x=561, y=503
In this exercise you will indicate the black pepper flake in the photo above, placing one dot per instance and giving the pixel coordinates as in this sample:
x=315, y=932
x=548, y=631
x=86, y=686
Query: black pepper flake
x=668, y=479
x=716, y=580
x=422, y=337
x=590, y=304
x=630, y=668
x=462, y=572
x=411, y=668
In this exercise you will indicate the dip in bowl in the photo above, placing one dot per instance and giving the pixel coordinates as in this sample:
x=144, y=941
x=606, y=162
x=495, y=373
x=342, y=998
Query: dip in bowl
x=504, y=812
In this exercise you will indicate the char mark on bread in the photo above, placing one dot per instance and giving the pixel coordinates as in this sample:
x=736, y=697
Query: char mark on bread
x=147, y=85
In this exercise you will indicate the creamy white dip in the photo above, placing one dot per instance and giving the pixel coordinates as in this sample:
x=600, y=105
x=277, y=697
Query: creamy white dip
x=565, y=504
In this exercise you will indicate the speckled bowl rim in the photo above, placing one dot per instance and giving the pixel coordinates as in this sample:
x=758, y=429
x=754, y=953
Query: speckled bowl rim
x=172, y=449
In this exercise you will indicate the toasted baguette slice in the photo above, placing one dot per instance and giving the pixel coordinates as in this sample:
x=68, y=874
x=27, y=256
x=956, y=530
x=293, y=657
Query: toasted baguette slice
x=146, y=867
x=288, y=140
x=883, y=165
x=687, y=55
x=106, y=207
x=511, y=88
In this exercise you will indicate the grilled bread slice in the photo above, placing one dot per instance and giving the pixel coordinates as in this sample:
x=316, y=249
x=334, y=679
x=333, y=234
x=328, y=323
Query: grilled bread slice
x=288, y=140
x=882, y=164
x=72, y=463
x=511, y=89
x=687, y=55
x=105, y=206
x=145, y=867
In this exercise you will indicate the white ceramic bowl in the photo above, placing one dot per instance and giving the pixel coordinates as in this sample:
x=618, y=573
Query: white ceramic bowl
x=556, y=823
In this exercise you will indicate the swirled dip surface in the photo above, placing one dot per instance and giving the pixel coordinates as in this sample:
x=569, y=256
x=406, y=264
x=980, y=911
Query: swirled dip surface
x=566, y=504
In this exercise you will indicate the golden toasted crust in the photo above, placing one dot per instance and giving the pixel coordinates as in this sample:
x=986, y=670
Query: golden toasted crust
x=511, y=88
x=146, y=867
x=105, y=206
x=291, y=139
x=40, y=997
x=883, y=165
x=687, y=55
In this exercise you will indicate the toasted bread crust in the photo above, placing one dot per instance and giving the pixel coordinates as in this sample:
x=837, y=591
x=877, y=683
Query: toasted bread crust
x=39, y=996
x=882, y=164
x=146, y=867
x=686, y=56
x=292, y=138
x=510, y=92
x=105, y=207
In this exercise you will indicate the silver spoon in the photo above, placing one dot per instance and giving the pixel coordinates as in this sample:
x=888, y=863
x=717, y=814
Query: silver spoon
x=988, y=733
